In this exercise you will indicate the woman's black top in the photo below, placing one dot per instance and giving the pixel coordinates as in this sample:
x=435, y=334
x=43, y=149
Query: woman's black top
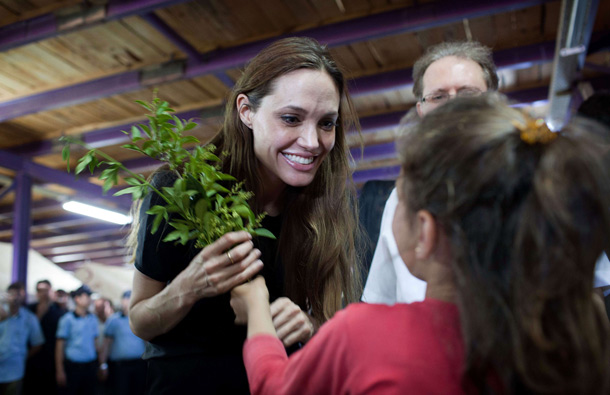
x=202, y=352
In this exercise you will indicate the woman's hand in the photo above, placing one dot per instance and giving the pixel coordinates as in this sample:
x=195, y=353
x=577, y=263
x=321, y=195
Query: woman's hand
x=246, y=295
x=229, y=261
x=291, y=323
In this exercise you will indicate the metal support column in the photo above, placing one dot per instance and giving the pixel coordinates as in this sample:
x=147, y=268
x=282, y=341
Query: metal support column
x=21, y=227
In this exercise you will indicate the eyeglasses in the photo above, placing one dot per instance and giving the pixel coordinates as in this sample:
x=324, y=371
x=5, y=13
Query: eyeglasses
x=442, y=97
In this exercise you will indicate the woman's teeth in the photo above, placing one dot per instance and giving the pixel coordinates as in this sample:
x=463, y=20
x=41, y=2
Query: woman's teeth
x=299, y=159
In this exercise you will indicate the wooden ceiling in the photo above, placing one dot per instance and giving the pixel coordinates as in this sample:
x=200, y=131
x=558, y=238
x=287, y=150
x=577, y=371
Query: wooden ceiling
x=76, y=67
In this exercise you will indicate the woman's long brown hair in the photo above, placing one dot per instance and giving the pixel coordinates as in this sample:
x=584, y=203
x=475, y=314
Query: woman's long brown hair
x=527, y=223
x=320, y=229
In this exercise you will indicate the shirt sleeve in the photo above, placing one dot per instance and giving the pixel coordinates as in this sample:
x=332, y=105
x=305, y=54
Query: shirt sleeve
x=63, y=328
x=381, y=281
x=110, y=327
x=321, y=366
x=159, y=260
x=36, y=336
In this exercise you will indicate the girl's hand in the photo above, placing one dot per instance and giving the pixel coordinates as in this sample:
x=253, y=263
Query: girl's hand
x=229, y=261
x=246, y=295
x=291, y=323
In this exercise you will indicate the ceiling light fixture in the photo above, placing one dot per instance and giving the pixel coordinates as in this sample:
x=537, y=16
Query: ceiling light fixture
x=96, y=212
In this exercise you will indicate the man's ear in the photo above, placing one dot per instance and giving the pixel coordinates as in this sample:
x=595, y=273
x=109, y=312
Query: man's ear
x=419, y=110
x=427, y=235
x=244, y=109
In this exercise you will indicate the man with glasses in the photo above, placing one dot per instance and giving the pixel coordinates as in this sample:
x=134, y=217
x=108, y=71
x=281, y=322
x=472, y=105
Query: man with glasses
x=445, y=71
x=40, y=371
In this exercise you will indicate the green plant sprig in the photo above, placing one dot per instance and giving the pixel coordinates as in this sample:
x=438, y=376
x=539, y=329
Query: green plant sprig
x=204, y=209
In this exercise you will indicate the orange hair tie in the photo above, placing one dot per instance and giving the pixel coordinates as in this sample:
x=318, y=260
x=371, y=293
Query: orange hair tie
x=534, y=131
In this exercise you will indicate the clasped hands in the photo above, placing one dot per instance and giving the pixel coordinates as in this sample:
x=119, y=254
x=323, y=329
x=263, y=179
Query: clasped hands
x=291, y=324
x=232, y=260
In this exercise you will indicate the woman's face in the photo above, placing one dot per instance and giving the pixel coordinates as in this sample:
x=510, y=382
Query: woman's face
x=294, y=127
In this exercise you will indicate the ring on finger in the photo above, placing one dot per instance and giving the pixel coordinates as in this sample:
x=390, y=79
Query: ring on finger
x=230, y=257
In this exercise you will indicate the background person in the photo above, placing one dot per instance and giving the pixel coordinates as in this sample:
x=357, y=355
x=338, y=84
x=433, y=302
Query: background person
x=504, y=220
x=75, y=352
x=121, y=354
x=284, y=129
x=20, y=338
x=40, y=369
x=445, y=71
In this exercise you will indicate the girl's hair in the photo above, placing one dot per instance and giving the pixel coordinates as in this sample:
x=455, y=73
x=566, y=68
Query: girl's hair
x=526, y=223
x=320, y=229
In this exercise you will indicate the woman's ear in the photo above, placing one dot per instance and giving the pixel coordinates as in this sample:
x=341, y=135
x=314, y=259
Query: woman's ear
x=427, y=235
x=244, y=110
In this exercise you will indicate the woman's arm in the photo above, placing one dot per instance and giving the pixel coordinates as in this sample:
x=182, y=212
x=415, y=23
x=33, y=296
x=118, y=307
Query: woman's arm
x=156, y=307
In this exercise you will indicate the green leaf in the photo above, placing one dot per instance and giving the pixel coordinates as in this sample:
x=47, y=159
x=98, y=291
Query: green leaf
x=243, y=211
x=156, y=223
x=109, y=183
x=126, y=191
x=132, y=147
x=188, y=140
x=133, y=181
x=145, y=105
x=201, y=207
x=189, y=126
x=219, y=188
x=135, y=132
x=173, y=235
x=82, y=163
x=264, y=233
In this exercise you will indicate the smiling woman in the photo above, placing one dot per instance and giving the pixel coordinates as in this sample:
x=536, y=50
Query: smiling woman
x=284, y=132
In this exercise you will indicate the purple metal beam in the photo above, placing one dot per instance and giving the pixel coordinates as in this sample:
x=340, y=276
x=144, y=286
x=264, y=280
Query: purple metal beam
x=62, y=221
x=21, y=227
x=94, y=245
x=96, y=138
x=7, y=190
x=71, y=95
x=371, y=27
x=513, y=58
x=83, y=233
x=108, y=253
x=383, y=173
x=15, y=162
x=355, y=30
x=375, y=152
x=169, y=33
x=48, y=25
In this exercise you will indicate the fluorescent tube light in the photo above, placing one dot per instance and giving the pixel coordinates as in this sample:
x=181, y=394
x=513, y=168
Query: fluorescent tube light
x=96, y=212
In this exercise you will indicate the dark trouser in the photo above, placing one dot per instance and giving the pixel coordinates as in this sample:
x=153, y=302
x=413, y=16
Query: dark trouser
x=40, y=381
x=81, y=378
x=197, y=374
x=127, y=376
x=12, y=388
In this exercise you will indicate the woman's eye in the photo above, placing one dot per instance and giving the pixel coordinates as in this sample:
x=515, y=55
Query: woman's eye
x=290, y=120
x=328, y=125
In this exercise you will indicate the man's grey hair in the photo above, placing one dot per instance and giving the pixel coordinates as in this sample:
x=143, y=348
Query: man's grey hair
x=471, y=50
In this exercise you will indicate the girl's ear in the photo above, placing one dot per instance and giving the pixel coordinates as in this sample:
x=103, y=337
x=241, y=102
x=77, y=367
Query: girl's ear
x=427, y=235
x=244, y=110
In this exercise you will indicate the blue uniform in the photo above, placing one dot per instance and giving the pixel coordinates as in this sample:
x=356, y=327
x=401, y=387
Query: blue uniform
x=79, y=334
x=126, y=345
x=127, y=369
x=16, y=333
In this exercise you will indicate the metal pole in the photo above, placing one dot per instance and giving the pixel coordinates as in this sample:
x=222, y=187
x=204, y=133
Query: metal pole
x=21, y=227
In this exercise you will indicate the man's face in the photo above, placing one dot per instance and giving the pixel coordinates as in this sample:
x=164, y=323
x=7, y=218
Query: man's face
x=450, y=76
x=16, y=297
x=43, y=292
